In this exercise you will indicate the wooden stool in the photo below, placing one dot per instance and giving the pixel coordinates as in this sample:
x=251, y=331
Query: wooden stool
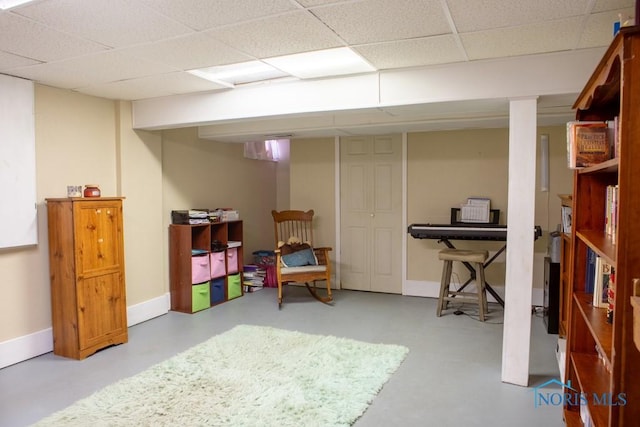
x=477, y=258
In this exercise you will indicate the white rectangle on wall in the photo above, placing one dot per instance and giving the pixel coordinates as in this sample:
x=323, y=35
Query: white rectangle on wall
x=18, y=213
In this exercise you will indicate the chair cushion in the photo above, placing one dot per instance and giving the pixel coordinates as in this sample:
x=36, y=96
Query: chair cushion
x=299, y=258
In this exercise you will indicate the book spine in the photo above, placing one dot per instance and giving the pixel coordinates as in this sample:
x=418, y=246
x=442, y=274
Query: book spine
x=611, y=294
x=590, y=271
x=597, y=287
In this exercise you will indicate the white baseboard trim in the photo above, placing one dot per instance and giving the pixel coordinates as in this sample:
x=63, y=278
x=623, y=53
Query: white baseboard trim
x=28, y=346
x=419, y=288
x=25, y=347
x=149, y=309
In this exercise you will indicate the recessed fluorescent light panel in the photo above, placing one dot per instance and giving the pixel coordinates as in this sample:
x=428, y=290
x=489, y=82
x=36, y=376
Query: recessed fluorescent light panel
x=8, y=4
x=308, y=65
x=322, y=63
x=235, y=74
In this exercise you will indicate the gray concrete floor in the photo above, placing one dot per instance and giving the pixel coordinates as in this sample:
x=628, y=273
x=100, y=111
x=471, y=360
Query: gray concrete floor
x=451, y=376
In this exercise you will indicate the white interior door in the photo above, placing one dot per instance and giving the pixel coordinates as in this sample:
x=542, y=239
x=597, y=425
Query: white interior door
x=371, y=213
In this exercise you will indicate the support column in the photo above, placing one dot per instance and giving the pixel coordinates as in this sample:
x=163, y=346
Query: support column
x=520, y=222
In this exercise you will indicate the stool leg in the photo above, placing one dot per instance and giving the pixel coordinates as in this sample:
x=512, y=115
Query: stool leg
x=444, y=286
x=482, y=294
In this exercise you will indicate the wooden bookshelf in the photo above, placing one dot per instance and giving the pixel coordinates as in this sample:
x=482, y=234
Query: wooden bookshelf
x=602, y=359
x=566, y=200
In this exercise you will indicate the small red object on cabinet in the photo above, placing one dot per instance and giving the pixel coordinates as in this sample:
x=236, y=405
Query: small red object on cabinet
x=91, y=190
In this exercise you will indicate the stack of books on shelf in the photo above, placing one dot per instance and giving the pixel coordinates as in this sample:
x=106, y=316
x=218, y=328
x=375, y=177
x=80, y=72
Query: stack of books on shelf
x=191, y=216
x=567, y=212
x=600, y=282
x=591, y=142
x=253, y=277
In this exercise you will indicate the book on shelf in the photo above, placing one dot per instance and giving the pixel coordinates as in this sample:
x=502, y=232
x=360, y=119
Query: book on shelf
x=611, y=211
x=566, y=219
x=614, y=137
x=611, y=295
x=590, y=271
x=588, y=143
x=601, y=283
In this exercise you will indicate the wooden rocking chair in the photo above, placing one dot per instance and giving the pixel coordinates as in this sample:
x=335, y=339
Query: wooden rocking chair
x=297, y=260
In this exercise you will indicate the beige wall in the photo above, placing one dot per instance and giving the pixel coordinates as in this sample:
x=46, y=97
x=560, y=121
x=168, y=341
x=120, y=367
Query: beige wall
x=75, y=144
x=204, y=174
x=82, y=139
x=139, y=167
x=312, y=184
x=283, y=201
x=444, y=168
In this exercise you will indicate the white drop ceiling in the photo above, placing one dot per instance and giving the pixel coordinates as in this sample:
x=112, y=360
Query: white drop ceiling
x=139, y=49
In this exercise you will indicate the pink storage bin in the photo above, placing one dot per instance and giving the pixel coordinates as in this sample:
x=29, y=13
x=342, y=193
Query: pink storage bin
x=218, y=268
x=232, y=260
x=200, y=269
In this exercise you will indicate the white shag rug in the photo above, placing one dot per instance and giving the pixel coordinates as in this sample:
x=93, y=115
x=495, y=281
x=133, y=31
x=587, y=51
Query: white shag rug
x=247, y=376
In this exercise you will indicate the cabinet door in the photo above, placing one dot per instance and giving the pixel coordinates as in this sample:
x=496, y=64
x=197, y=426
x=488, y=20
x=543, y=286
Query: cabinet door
x=101, y=309
x=98, y=229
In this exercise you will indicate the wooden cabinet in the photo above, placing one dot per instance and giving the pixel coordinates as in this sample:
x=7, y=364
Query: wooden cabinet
x=86, y=264
x=205, y=264
x=602, y=361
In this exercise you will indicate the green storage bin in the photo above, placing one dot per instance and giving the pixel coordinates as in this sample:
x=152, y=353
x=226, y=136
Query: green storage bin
x=234, y=285
x=200, y=297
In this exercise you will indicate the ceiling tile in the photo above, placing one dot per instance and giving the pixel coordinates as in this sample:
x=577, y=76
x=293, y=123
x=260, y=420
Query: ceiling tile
x=188, y=52
x=480, y=15
x=205, y=14
x=372, y=21
x=112, y=66
x=113, y=23
x=529, y=39
x=604, y=5
x=292, y=33
x=100, y=68
x=139, y=38
x=32, y=40
x=53, y=74
x=152, y=86
x=598, y=30
x=411, y=53
x=311, y=3
x=9, y=60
